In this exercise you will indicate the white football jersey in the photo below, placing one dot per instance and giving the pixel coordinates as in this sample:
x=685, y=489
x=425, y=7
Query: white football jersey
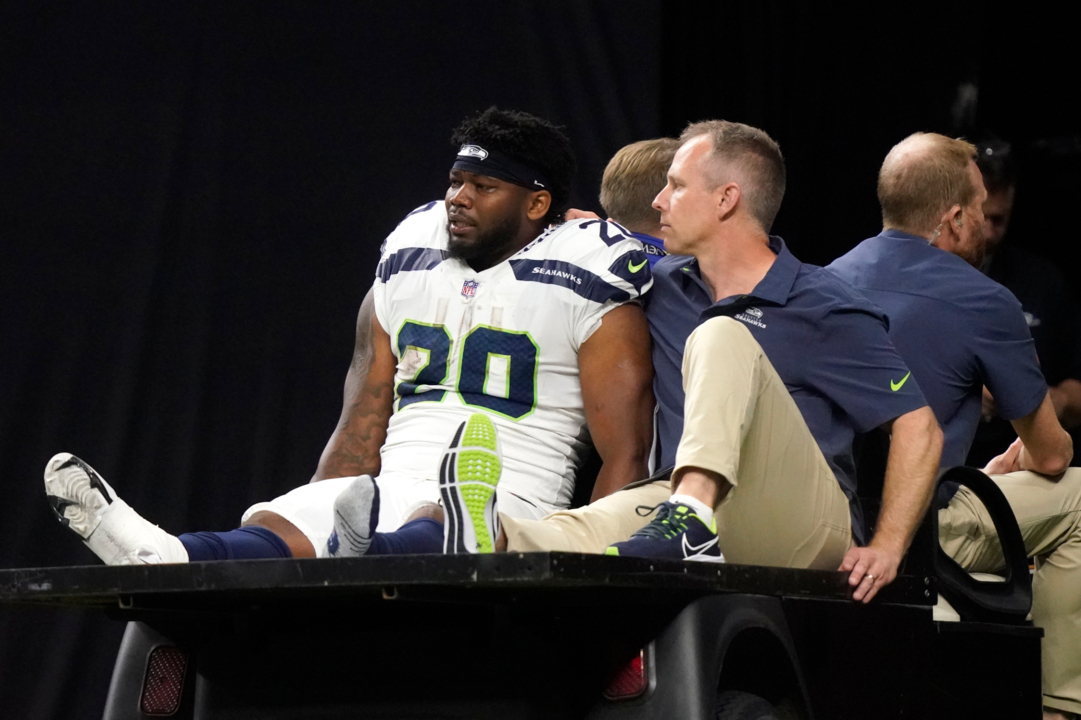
x=503, y=341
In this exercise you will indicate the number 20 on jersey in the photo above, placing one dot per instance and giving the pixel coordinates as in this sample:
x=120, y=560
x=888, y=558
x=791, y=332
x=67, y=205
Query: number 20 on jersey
x=497, y=369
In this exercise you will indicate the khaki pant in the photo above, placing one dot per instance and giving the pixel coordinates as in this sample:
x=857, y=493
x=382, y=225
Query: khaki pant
x=785, y=508
x=1049, y=514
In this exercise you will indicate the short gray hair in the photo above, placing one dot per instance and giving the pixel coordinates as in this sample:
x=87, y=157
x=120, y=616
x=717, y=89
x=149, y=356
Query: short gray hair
x=749, y=154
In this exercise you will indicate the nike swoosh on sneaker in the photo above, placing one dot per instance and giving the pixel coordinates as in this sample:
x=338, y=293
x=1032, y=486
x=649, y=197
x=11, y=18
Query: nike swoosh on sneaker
x=693, y=550
x=895, y=386
x=635, y=268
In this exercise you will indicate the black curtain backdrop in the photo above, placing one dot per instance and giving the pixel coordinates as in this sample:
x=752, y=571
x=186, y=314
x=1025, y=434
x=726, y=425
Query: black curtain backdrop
x=192, y=196
x=838, y=86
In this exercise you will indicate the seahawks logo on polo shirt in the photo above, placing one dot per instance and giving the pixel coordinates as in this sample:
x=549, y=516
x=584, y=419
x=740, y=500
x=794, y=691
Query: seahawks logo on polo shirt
x=751, y=316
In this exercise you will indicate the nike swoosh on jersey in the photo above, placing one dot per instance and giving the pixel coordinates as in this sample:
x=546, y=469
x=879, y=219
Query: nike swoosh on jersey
x=895, y=386
x=692, y=550
x=635, y=268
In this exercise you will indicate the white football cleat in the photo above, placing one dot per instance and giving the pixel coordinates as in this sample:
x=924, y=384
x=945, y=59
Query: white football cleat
x=86, y=505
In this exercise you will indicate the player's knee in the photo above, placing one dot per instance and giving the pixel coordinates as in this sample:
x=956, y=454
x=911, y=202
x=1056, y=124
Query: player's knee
x=299, y=545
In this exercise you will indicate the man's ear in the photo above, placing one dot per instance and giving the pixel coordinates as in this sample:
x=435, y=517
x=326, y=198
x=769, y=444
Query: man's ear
x=948, y=232
x=952, y=221
x=728, y=198
x=539, y=204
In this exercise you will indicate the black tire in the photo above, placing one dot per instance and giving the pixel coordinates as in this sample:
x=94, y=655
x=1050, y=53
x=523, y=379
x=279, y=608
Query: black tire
x=738, y=705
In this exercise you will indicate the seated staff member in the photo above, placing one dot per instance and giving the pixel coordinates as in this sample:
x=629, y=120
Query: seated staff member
x=633, y=177
x=959, y=331
x=787, y=365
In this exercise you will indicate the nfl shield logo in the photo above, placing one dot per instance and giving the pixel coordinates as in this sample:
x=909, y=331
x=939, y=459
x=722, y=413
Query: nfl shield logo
x=469, y=288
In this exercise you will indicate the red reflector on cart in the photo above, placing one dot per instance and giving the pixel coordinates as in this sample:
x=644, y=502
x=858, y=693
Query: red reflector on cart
x=164, y=682
x=631, y=681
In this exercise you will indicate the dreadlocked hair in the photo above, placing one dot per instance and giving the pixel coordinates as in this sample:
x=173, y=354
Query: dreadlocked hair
x=530, y=140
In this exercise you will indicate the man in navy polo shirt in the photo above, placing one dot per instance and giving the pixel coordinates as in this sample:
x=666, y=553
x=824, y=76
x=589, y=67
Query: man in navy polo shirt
x=782, y=366
x=959, y=331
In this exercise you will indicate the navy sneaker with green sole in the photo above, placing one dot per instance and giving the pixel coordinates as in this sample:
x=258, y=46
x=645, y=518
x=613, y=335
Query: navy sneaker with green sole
x=676, y=533
x=468, y=476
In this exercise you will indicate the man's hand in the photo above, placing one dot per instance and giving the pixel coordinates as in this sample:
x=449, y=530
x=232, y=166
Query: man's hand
x=576, y=214
x=1007, y=462
x=870, y=568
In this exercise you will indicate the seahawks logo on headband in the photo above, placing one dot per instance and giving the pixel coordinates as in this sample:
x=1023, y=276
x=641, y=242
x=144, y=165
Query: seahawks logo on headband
x=494, y=163
x=473, y=151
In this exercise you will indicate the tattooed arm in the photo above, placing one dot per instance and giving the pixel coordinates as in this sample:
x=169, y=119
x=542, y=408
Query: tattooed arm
x=353, y=448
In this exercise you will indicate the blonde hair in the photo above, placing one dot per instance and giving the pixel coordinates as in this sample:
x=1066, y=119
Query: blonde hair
x=922, y=177
x=633, y=178
x=749, y=156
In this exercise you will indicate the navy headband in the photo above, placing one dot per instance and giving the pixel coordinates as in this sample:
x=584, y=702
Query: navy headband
x=490, y=162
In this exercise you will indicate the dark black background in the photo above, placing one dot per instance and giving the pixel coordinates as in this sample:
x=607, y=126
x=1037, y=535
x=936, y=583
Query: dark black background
x=192, y=196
